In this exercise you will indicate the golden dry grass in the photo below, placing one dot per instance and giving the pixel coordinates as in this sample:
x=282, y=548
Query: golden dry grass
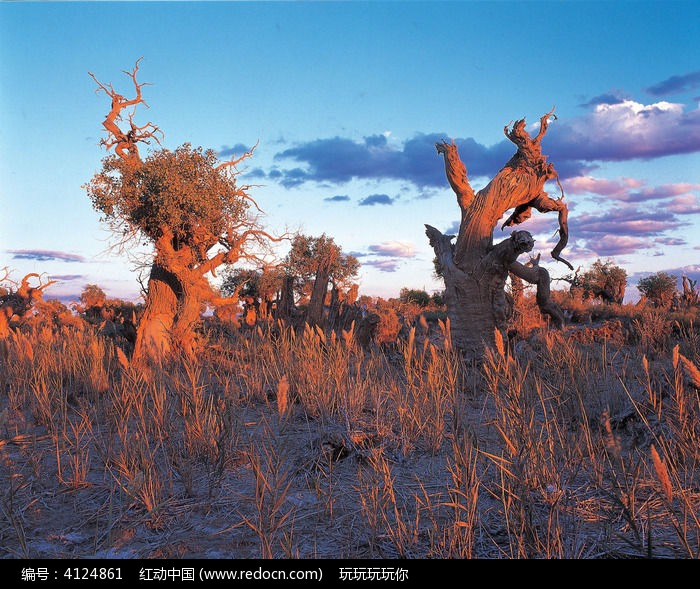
x=282, y=444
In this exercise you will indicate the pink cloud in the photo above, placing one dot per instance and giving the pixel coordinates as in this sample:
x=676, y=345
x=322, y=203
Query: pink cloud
x=383, y=265
x=612, y=245
x=396, y=249
x=684, y=205
x=589, y=184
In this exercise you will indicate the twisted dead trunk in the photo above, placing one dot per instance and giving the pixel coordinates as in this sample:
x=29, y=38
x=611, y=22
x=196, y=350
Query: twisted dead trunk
x=474, y=270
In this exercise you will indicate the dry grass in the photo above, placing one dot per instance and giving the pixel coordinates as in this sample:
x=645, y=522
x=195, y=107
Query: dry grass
x=283, y=444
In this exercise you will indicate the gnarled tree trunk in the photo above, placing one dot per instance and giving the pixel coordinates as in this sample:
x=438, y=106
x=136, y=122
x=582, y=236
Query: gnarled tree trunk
x=204, y=212
x=177, y=289
x=474, y=270
x=314, y=313
x=15, y=306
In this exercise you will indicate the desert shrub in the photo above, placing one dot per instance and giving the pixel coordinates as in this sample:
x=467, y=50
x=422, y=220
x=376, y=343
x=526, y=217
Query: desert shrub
x=412, y=295
x=389, y=325
x=652, y=329
x=658, y=288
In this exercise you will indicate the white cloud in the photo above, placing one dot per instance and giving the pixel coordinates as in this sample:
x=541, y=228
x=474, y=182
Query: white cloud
x=630, y=129
x=396, y=249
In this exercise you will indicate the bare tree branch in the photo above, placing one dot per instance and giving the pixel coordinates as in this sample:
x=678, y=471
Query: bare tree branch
x=125, y=143
x=456, y=173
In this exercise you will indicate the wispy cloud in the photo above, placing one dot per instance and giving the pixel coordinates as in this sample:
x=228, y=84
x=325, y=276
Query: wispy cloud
x=387, y=256
x=686, y=204
x=396, y=249
x=616, y=245
x=386, y=265
x=614, y=97
x=625, y=221
x=45, y=256
x=670, y=241
x=237, y=150
x=337, y=198
x=376, y=199
x=630, y=190
x=68, y=277
x=675, y=84
x=611, y=188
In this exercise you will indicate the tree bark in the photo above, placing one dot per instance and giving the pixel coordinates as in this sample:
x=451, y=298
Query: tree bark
x=154, y=331
x=16, y=306
x=177, y=289
x=314, y=314
x=474, y=270
x=286, y=302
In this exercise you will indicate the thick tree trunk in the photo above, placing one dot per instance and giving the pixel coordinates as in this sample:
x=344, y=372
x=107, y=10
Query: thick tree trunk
x=177, y=289
x=314, y=314
x=474, y=270
x=286, y=302
x=154, y=331
x=334, y=308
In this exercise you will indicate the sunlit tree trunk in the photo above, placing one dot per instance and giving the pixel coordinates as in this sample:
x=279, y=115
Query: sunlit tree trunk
x=319, y=291
x=286, y=302
x=474, y=270
x=188, y=204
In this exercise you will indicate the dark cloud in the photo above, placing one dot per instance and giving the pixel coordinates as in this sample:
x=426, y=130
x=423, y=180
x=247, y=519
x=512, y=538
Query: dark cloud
x=384, y=265
x=66, y=298
x=45, y=256
x=237, y=150
x=340, y=160
x=260, y=173
x=615, y=129
x=337, y=198
x=610, y=98
x=676, y=84
x=452, y=229
x=376, y=199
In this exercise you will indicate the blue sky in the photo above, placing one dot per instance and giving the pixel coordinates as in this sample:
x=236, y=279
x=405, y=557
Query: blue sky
x=346, y=101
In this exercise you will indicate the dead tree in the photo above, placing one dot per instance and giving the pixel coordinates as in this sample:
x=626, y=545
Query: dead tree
x=474, y=269
x=690, y=293
x=17, y=305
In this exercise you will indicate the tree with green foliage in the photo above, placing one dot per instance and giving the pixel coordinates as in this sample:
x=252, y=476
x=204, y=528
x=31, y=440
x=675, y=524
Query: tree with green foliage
x=92, y=296
x=187, y=205
x=257, y=287
x=604, y=281
x=658, y=288
x=416, y=296
x=316, y=262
